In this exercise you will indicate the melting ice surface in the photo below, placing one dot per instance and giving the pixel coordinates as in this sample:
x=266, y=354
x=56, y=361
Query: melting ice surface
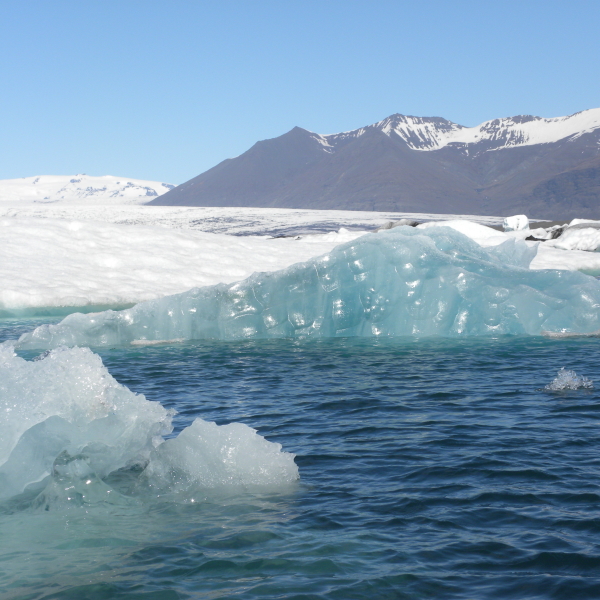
x=432, y=281
x=569, y=380
x=67, y=425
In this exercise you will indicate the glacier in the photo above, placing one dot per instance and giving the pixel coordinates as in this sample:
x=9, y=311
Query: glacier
x=68, y=426
x=404, y=281
x=82, y=188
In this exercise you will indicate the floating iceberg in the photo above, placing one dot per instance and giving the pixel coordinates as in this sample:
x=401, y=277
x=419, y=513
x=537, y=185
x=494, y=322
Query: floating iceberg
x=569, y=380
x=67, y=425
x=405, y=281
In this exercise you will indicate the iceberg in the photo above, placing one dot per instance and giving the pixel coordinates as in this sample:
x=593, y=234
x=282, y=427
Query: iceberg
x=68, y=425
x=405, y=281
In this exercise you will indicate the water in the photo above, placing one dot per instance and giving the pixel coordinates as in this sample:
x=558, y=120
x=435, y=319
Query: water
x=429, y=468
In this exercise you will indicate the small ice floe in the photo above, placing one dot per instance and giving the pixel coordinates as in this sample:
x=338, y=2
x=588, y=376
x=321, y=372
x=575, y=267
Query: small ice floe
x=68, y=426
x=156, y=342
x=401, y=222
x=569, y=380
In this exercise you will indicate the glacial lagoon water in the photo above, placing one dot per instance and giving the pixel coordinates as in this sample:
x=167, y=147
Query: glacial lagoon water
x=429, y=468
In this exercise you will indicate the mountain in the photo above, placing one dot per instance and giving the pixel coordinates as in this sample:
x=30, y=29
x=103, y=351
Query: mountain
x=46, y=189
x=542, y=167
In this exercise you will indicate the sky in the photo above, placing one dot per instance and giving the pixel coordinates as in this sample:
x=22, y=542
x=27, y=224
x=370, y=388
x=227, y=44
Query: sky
x=164, y=90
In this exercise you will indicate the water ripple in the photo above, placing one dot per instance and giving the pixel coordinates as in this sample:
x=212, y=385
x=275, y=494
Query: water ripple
x=431, y=469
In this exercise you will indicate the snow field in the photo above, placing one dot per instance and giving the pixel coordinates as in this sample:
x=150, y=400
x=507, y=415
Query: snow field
x=53, y=263
x=120, y=255
x=233, y=221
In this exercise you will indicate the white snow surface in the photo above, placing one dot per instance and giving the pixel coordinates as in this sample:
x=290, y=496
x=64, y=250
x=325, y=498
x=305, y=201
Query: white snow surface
x=526, y=131
x=78, y=256
x=68, y=189
x=586, y=238
x=228, y=220
x=51, y=262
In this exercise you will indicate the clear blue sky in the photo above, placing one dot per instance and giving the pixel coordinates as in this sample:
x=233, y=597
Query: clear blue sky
x=163, y=90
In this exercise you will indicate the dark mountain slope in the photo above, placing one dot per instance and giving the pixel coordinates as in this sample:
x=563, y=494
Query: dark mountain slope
x=543, y=167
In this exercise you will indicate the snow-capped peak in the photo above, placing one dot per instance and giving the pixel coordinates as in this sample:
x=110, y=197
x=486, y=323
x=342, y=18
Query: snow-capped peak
x=433, y=133
x=527, y=130
x=420, y=133
x=77, y=189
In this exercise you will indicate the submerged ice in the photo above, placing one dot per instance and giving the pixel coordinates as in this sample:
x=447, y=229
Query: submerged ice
x=405, y=281
x=569, y=380
x=68, y=426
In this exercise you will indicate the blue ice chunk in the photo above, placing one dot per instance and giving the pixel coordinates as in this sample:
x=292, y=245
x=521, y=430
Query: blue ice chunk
x=404, y=281
x=67, y=425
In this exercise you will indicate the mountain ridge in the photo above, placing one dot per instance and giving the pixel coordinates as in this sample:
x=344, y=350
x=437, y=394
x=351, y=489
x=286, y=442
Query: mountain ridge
x=519, y=130
x=416, y=164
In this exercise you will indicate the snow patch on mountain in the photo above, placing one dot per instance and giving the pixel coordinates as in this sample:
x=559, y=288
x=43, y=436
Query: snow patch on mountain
x=77, y=189
x=434, y=133
x=418, y=132
x=527, y=130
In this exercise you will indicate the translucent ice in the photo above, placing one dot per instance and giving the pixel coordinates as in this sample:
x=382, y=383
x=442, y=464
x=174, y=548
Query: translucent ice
x=516, y=223
x=211, y=456
x=67, y=423
x=569, y=380
x=405, y=281
x=69, y=402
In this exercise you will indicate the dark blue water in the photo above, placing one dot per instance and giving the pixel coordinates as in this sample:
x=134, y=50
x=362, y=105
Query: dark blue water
x=429, y=469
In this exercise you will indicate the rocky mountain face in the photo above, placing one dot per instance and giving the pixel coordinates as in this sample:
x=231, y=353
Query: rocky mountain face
x=547, y=168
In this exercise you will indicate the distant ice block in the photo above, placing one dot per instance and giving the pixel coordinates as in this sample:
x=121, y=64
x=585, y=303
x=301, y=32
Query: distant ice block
x=516, y=223
x=405, y=281
x=67, y=423
x=585, y=236
x=569, y=380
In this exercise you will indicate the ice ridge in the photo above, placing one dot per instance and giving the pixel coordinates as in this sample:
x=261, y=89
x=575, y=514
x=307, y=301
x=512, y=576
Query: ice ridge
x=405, y=281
